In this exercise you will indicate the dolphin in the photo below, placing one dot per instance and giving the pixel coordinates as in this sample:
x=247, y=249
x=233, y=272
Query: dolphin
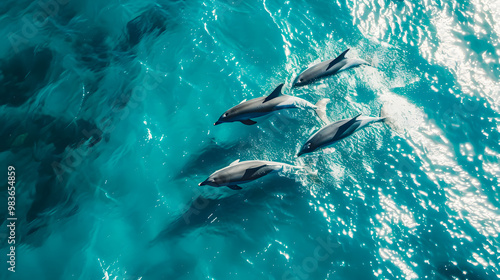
x=261, y=106
x=243, y=172
x=336, y=131
x=327, y=68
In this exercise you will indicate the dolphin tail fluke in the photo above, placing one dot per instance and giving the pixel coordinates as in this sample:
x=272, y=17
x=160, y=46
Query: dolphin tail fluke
x=313, y=176
x=386, y=118
x=321, y=109
x=364, y=62
x=374, y=62
x=383, y=115
x=308, y=172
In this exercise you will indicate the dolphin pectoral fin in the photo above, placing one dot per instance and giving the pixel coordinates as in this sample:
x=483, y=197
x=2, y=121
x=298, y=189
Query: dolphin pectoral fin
x=337, y=60
x=235, y=187
x=276, y=92
x=248, y=122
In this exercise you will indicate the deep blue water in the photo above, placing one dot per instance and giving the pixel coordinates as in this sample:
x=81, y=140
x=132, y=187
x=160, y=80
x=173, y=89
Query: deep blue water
x=107, y=112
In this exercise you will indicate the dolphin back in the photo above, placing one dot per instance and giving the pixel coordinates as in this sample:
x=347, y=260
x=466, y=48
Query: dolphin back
x=334, y=132
x=246, y=171
x=327, y=68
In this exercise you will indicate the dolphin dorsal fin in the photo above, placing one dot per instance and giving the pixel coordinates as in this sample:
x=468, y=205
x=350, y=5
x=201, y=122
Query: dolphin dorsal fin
x=235, y=162
x=336, y=60
x=243, y=101
x=357, y=116
x=346, y=125
x=351, y=121
x=275, y=93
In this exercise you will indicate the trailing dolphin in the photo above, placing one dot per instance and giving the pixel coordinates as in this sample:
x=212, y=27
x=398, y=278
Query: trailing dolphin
x=243, y=172
x=327, y=68
x=336, y=131
x=261, y=106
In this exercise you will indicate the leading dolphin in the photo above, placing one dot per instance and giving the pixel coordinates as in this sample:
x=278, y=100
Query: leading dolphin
x=258, y=107
x=243, y=172
x=327, y=68
x=335, y=132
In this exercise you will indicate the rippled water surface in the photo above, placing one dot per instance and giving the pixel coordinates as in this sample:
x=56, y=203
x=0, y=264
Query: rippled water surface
x=107, y=112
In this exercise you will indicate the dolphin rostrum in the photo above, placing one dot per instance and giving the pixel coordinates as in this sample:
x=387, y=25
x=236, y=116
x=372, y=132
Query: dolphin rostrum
x=261, y=106
x=243, y=172
x=336, y=131
x=327, y=68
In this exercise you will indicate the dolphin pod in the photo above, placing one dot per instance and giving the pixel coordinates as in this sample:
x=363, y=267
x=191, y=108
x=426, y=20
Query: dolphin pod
x=246, y=171
x=261, y=106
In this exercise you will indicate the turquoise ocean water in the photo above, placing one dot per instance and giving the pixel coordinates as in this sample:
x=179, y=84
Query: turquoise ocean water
x=107, y=112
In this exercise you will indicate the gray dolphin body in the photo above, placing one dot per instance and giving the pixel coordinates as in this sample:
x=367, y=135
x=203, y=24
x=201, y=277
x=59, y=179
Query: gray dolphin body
x=336, y=131
x=243, y=172
x=261, y=106
x=327, y=68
